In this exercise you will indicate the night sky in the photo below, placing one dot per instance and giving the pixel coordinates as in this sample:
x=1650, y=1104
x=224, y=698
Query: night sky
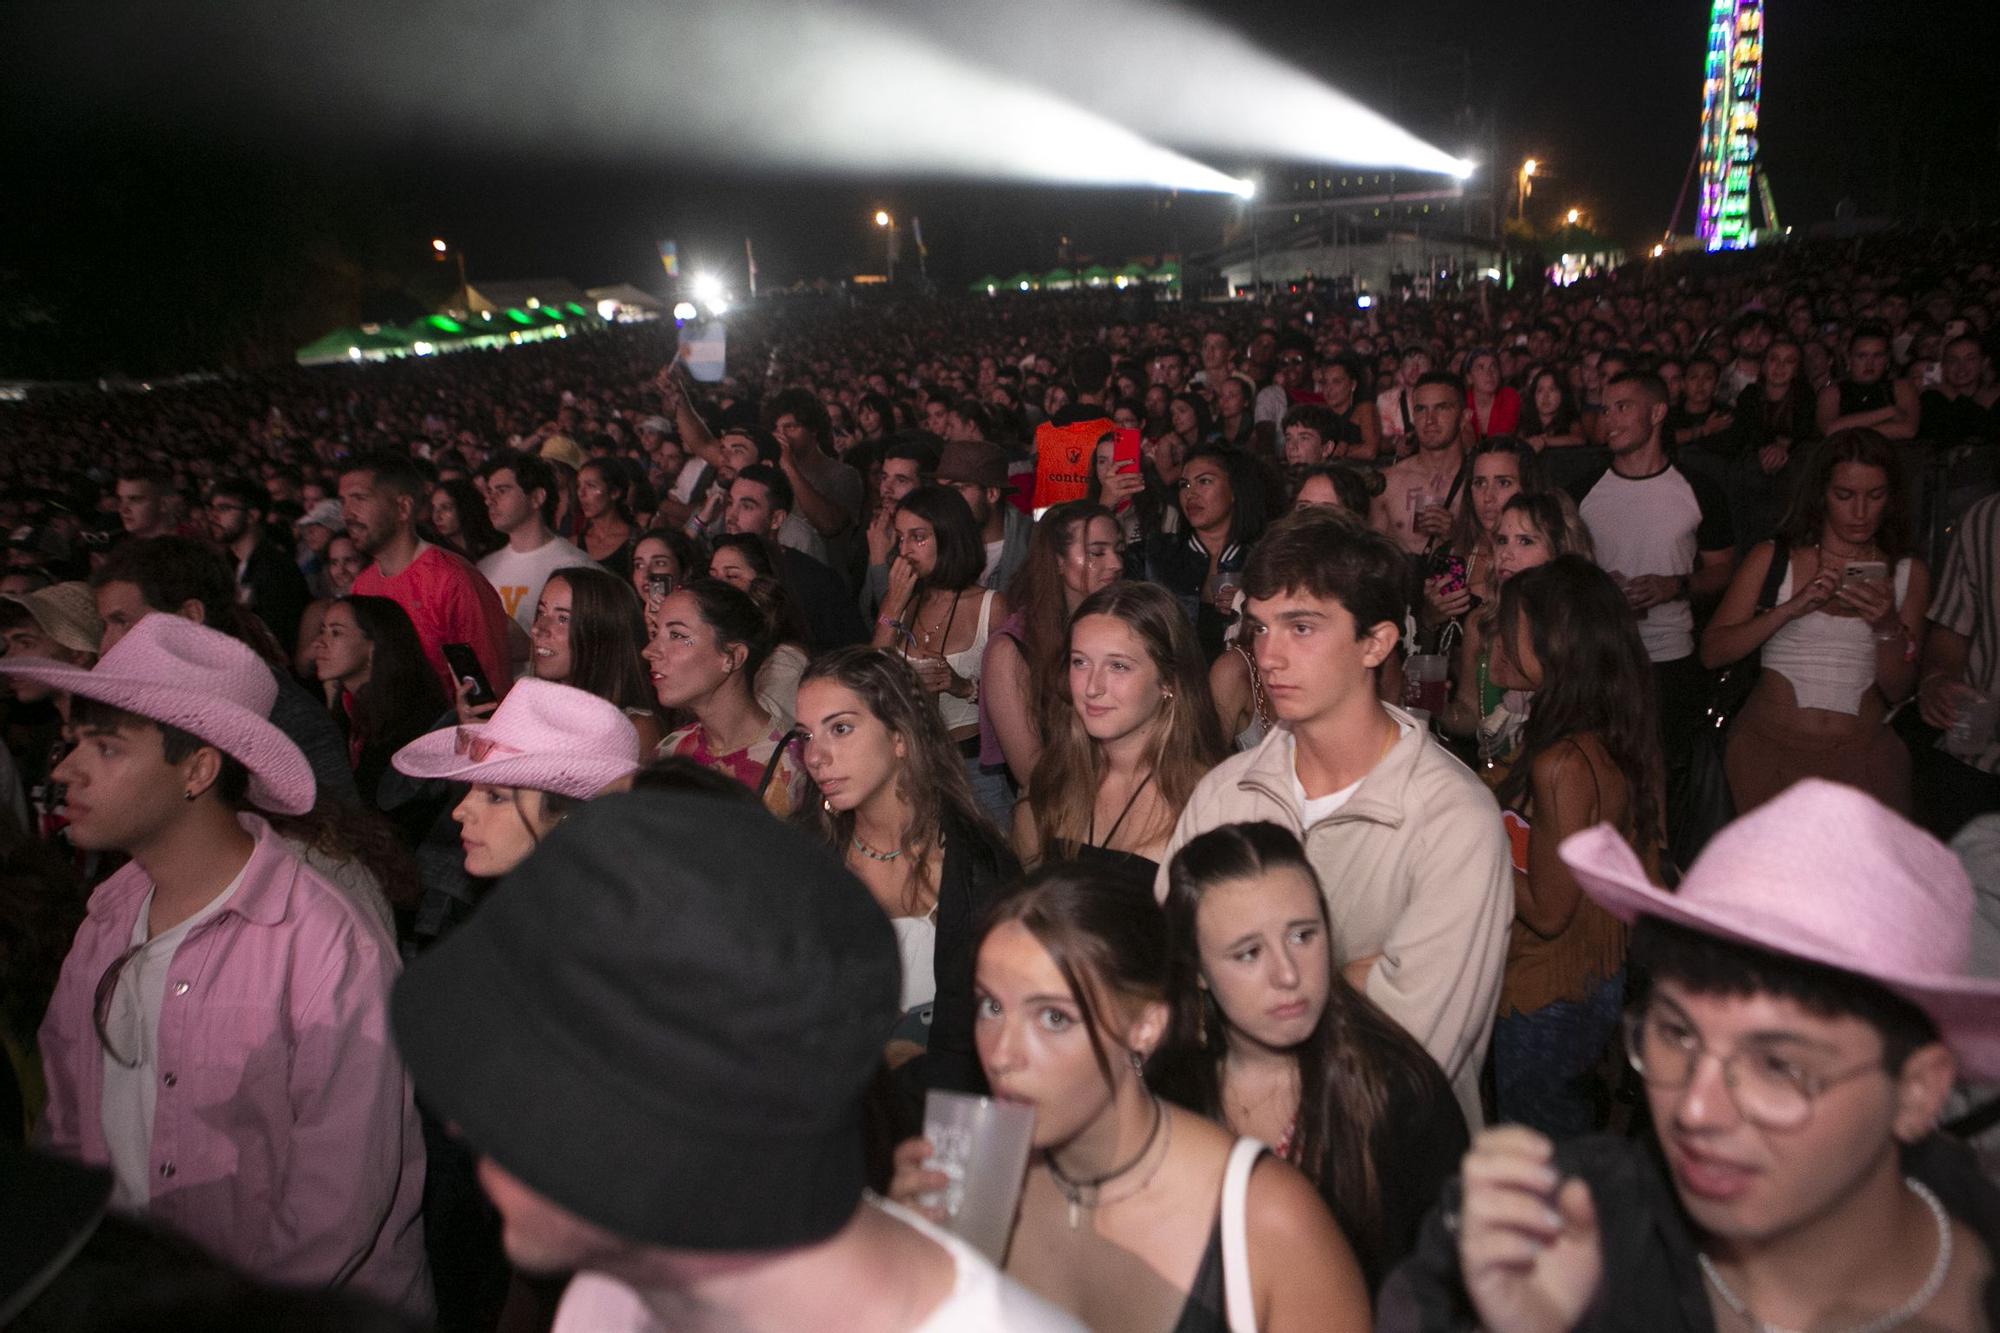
x=150, y=167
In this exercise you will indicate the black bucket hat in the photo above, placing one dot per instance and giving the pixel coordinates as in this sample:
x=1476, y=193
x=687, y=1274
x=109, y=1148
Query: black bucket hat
x=663, y=1021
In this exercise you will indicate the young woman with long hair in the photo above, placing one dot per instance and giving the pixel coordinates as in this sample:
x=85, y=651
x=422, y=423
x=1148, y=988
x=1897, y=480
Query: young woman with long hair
x=938, y=617
x=708, y=641
x=1491, y=407
x=1074, y=550
x=589, y=630
x=1269, y=1040
x=1549, y=419
x=1133, y=732
x=378, y=683
x=1498, y=468
x=750, y=562
x=895, y=806
x=1590, y=754
x=608, y=496
x=1133, y=1210
x=1838, y=637
x=1140, y=500
x=459, y=520
x=1533, y=530
x=344, y=562
x=1227, y=498
x=662, y=560
x=1776, y=424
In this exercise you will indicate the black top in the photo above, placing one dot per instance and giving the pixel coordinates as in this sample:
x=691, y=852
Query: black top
x=1207, y=1308
x=1178, y=562
x=1958, y=420
x=832, y=619
x=272, y=586
x=976, y=863
x=1141, y=870
x=1865, y=397
x=1652, y=1282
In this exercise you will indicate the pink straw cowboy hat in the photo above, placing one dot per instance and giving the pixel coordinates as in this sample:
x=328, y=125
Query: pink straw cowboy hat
x=1829, y=875
x=543, y=736
x=186, y=675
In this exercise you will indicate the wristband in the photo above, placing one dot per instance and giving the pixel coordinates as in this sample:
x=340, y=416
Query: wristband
x=891, y=622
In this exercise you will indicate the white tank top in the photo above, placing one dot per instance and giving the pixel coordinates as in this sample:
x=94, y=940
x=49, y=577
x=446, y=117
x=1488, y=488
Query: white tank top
x=916, y=941
x=955, y=711
x=1830, y=660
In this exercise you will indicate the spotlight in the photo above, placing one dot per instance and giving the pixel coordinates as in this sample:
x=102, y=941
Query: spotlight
x=684, y=311
x=1244, y=189
x=707, y=288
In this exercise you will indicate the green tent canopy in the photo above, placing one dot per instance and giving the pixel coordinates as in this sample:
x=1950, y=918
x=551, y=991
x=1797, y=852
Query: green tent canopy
x=986, y=284
x=1096, y=275
x=1021, y=281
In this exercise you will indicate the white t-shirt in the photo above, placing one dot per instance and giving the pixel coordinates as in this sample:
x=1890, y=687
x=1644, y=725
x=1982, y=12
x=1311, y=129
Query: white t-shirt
x=519, y=577
x=1656, y=524
x=981, y=1299
x=1314, y=809
x=993, y=553
x=125, y=1104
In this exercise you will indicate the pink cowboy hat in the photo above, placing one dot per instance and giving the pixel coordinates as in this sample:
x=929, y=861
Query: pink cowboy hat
x=189, y=676
x=543, y=736
x=1829, y=875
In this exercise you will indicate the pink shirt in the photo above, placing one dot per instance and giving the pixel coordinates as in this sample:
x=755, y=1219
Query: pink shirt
x=449, y=601
x=284, y=1137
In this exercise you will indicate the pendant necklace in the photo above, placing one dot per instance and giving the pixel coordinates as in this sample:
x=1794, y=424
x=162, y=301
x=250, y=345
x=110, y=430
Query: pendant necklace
x=1087, y=1194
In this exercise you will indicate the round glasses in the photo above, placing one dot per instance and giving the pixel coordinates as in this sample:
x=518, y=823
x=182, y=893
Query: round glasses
x=1771, y=1086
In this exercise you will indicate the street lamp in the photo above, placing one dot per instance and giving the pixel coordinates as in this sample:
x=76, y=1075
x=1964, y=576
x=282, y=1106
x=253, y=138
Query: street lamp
x=1524, y=185
x=888, y=226
x=439, y=252
x=1574, y=216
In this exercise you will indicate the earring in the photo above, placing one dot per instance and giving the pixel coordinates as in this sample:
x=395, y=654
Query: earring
x=1138, y=1062
x=1167, y=695
x=187, y=796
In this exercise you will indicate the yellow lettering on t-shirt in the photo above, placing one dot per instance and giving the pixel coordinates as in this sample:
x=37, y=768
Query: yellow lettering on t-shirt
x=511, y=595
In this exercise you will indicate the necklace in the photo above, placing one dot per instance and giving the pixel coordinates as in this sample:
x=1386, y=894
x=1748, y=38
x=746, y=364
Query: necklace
x=1087, y=1194
x=1896, y=1317
x=871, y=853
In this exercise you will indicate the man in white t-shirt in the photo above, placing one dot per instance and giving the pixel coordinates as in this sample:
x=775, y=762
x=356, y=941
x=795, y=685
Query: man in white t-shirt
x=1406, y=841
x=692, y=1147
x=1665, y=535
x=520, y=499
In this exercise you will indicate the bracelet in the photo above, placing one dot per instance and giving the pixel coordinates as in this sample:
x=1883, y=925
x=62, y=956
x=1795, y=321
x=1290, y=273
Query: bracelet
x=891, y=622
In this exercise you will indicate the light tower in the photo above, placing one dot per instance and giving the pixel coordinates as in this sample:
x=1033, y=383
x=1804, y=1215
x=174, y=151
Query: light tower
x=1734, y=79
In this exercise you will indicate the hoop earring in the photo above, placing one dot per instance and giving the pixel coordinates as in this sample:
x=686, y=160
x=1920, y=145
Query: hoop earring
x=1138, y=1062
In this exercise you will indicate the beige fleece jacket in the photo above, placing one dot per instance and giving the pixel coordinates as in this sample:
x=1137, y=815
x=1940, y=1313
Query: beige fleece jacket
x=1414, y=868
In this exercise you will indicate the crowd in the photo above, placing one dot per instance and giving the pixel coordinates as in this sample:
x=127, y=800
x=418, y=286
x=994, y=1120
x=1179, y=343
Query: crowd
x=511, y=840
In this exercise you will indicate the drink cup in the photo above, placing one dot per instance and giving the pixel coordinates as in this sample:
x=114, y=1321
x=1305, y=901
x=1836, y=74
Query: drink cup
x=1425, y=685
x=982, y=1145
x=1972, y=731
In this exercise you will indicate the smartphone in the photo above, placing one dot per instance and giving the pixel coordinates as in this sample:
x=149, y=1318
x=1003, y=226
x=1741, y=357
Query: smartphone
x=1124, y=451
x=1865, y=571
x=658, y=586
x=465, y=667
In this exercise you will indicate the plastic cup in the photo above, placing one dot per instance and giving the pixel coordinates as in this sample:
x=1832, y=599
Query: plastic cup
x=1972, y=731
x=1425, y=684
x=982, y=1145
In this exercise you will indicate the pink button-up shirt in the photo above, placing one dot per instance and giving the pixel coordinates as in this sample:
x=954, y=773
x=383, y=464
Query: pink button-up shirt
x=284, y=1139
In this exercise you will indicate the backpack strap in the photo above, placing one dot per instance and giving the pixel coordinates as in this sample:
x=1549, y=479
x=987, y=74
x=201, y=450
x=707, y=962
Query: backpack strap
x=1239, y=1303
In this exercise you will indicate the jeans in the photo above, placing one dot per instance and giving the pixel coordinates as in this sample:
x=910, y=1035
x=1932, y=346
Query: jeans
x=994, y=791
x=1543, y=1061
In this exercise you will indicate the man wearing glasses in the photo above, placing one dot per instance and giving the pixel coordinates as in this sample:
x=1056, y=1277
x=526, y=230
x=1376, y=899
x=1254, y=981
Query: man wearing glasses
x=218, y=1039
x=1807, y=1014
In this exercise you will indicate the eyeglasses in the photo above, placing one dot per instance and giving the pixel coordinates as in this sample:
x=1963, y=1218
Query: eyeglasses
x=1769, y=1087
x=100, y=1008
x=478, y=748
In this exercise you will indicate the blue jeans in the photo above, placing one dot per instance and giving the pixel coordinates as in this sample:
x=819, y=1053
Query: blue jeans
x=1543, y=1061
x=994, y=791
